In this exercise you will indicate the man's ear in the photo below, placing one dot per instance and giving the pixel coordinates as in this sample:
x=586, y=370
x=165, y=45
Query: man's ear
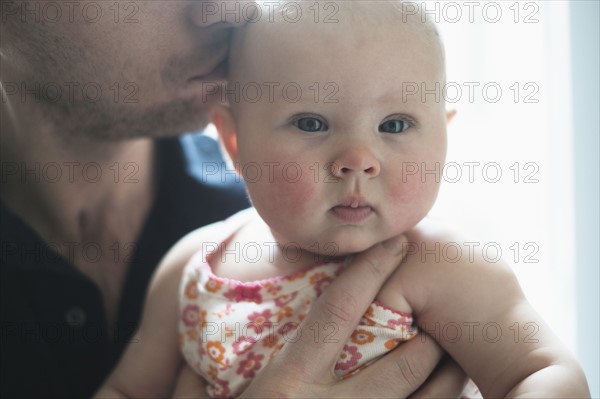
x=223, y=120
x=450, y=115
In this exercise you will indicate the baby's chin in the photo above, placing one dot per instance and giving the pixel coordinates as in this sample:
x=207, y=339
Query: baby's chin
x=345, y=247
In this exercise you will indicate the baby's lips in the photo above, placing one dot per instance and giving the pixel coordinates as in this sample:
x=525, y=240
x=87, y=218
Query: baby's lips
x=355, y=202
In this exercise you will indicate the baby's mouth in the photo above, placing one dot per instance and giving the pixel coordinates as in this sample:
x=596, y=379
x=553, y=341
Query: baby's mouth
x=353, y=210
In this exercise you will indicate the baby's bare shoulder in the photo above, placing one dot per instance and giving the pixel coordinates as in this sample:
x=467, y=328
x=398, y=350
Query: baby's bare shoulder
x=204, y=239
x=443, y=262
x=172, y=264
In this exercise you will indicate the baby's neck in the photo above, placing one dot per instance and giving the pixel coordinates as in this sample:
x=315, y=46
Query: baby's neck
x=255, y=253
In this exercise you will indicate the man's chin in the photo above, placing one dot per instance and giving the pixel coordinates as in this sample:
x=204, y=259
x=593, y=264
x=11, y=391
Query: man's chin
x=134, y=123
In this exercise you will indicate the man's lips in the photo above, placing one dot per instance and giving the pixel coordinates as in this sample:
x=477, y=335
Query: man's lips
x=216, y=72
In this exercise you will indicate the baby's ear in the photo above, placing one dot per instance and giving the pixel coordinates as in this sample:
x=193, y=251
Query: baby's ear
x=222, y=118
x=450, y=115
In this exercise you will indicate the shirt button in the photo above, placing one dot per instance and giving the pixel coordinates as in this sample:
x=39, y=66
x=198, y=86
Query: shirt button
x=75, y=316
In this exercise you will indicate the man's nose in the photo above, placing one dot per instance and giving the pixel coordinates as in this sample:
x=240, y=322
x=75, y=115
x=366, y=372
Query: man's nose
x=357, y=161
x=229, y=13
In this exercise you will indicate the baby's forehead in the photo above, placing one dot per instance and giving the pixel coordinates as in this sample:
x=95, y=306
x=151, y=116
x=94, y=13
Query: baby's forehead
x=334, y=28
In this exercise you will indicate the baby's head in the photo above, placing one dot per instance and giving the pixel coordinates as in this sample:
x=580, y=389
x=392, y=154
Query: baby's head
x=325, y=125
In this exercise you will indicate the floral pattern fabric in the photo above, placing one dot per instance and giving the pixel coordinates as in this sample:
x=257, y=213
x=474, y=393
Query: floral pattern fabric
x=229, y=330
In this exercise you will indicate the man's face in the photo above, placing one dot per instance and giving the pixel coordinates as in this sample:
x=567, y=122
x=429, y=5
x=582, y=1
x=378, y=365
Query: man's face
x=341, y=152
x=117, y=69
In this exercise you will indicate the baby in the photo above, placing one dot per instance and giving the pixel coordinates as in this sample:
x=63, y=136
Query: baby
x=322, y=131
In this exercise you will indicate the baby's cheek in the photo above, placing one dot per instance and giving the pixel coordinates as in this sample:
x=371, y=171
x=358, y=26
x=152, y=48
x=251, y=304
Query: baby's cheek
x=413, y=195
x=289, y=190
x=295, y=189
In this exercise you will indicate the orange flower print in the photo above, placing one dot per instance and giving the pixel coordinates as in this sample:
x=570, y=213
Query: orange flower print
x=272, y=288
x=367, y=318
x=297, y=276
x=285, y=312
x=288, y=331
x=270, y=341
x=361, y=337
x=216, y=351
x=283, y=300
x=192, y=334
x=212, y=371
x=191, y=289
x=275, y=351
x=353, y=372
x=213, y=285
x=391, y=344
x=315, y=278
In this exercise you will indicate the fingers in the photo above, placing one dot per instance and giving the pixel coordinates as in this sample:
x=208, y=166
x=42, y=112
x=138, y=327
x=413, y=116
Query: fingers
x=447, y=381
x=335, y=315
x=399, y=373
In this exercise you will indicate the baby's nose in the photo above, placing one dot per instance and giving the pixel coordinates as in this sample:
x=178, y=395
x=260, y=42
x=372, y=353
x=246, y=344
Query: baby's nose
x=356, y=161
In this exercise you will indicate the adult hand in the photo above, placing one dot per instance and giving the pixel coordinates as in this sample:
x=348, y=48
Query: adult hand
x=305, y=368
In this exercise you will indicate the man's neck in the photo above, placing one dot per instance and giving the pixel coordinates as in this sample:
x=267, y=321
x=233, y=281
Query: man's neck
x=78, y=191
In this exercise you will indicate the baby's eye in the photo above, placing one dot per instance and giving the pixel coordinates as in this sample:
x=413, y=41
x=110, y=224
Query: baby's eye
x=394, y=126
x=310, y=124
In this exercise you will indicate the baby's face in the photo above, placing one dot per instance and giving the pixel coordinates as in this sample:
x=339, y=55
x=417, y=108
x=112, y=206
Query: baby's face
x=335, y=150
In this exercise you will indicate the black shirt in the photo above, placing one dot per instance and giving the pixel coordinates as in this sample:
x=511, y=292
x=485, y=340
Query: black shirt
x=53, y=335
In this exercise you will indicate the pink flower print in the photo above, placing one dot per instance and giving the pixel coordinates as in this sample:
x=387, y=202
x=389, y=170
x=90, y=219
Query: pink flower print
x=220, y=389
x=242, y=345
x=191, y=315
x=246, y=292
x=216, y=351
x=321, y=285
x=402, y=320
x=250, y=365
x=228, y=309
x=348, y=358
x=283, y=300
x=260, y=320
x=320, y=281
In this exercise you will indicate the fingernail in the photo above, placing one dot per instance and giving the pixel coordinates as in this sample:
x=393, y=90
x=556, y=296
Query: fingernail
x=396, y=245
